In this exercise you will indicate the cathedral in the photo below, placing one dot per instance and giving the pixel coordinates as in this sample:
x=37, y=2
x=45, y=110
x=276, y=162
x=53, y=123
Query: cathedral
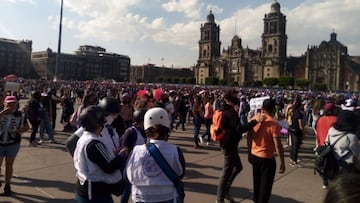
x=327, y=63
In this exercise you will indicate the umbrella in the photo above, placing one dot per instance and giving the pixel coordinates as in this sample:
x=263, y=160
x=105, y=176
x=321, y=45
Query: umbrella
x=10, y=78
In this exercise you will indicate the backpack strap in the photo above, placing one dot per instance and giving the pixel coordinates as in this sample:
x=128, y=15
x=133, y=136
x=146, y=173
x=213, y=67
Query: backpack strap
x=332, y=145
x=165, y=167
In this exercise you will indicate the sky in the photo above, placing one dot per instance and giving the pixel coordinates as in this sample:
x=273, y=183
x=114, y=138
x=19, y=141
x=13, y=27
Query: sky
x=166, y=32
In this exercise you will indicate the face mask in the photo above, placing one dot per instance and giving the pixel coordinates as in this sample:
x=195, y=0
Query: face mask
x=110, y=118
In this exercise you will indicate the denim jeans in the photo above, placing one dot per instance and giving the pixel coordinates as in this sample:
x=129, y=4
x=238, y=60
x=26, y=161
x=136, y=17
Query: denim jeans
x=46, y=124
x=207, y=131
x=197, y=126
x=34, y=128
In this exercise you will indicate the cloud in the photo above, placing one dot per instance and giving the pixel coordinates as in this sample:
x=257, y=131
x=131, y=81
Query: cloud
x=191, y=8
x=22, y=1
x=215, y=8
x=308, y=23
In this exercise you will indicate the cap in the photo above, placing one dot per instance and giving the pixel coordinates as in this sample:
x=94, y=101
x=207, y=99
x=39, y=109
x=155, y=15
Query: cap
x=329, y=106
x=10, y=99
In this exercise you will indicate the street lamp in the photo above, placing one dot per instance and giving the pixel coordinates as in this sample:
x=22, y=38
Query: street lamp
x=59, y=43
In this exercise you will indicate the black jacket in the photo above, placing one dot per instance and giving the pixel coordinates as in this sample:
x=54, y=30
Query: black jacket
x=231, y=124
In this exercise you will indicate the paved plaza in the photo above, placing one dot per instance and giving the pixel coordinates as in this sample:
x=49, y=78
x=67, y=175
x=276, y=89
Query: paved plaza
x=46, y=174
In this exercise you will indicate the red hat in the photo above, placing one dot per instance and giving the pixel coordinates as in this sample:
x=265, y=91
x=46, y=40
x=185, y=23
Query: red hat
x=10, y=99
x=329, y=106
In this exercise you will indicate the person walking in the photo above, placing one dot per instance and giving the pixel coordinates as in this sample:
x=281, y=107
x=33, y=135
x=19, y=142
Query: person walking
x=324, y=123
x=149, y=182
x=133, y=136
x=209, y=111
x=229, y=145
x=296, y=131
x=12, y=124
x=198, y=117
x=263, y=141
x=345, y=142
x=33, y=114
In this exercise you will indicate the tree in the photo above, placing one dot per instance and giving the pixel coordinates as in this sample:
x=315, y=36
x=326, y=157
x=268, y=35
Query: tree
x=257, y=83
x=285, y=81
x=191, y=80
x=211, y=81
x=270, y=82
x=183, y=80
x=320, y=87
x=302, y=83
x=176, y=80
x=247, y=83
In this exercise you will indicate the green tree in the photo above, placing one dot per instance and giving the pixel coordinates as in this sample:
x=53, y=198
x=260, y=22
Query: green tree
x=302, y=83
x=183, y=80
x=168, y=80
x=211, y=81
x=257, y=83
x=270, y=82
x=285, y=81
x=222, y=82
x=320, y=87
x=191, y=80
x=248, y=83
x=176, y=80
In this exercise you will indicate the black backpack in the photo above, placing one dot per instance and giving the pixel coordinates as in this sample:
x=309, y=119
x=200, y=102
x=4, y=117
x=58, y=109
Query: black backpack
x=325, y=162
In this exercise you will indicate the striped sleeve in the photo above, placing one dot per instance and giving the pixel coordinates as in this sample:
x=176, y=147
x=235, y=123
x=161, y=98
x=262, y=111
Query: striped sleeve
x=98, y=154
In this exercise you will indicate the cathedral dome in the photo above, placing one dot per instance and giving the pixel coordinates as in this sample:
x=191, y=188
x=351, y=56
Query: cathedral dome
x=275, y=7
x=210, y=18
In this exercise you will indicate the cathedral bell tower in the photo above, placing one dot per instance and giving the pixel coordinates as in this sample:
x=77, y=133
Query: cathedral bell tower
x=209, y=49
x=274, y=42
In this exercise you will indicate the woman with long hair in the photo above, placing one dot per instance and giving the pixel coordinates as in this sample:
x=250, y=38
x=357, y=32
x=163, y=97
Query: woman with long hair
x=198, y=116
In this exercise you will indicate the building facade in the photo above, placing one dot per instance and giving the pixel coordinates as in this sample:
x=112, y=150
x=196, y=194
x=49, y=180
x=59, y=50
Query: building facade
x=15, y=58
x=328, y=64
x=88, y=63
x=149, y=73
x=236, y=64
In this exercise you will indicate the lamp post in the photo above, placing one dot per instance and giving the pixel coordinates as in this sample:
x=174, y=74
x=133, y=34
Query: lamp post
x=59, y=43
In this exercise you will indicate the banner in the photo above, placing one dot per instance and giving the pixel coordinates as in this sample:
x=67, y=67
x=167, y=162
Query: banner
x=256, y=103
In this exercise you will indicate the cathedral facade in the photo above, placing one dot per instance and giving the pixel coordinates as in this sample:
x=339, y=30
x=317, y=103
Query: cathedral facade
x=236, y=64
x=327, y=64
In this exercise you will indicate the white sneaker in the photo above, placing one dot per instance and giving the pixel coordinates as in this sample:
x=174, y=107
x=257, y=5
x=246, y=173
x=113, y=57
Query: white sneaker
x=41, y=141
x=201, y=139
x=324, y=187
x=207, y=143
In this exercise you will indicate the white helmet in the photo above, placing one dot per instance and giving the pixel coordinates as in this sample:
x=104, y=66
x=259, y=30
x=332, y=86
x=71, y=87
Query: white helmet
x=156, y=116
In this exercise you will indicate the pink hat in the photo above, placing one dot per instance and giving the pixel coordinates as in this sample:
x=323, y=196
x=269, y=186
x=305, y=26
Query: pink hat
x=10, y=99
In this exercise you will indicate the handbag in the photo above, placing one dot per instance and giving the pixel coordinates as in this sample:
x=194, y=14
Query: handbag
x=169, y=172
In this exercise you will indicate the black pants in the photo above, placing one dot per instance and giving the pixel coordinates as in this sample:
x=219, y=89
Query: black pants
x=34, y=128
x=232, y=167
x=296, y=140
x=263, y=178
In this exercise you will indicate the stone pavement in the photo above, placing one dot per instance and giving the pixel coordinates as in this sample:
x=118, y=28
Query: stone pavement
x=46, y=174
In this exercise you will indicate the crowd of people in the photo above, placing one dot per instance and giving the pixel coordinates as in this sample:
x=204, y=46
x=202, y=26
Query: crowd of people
x=114, y=124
